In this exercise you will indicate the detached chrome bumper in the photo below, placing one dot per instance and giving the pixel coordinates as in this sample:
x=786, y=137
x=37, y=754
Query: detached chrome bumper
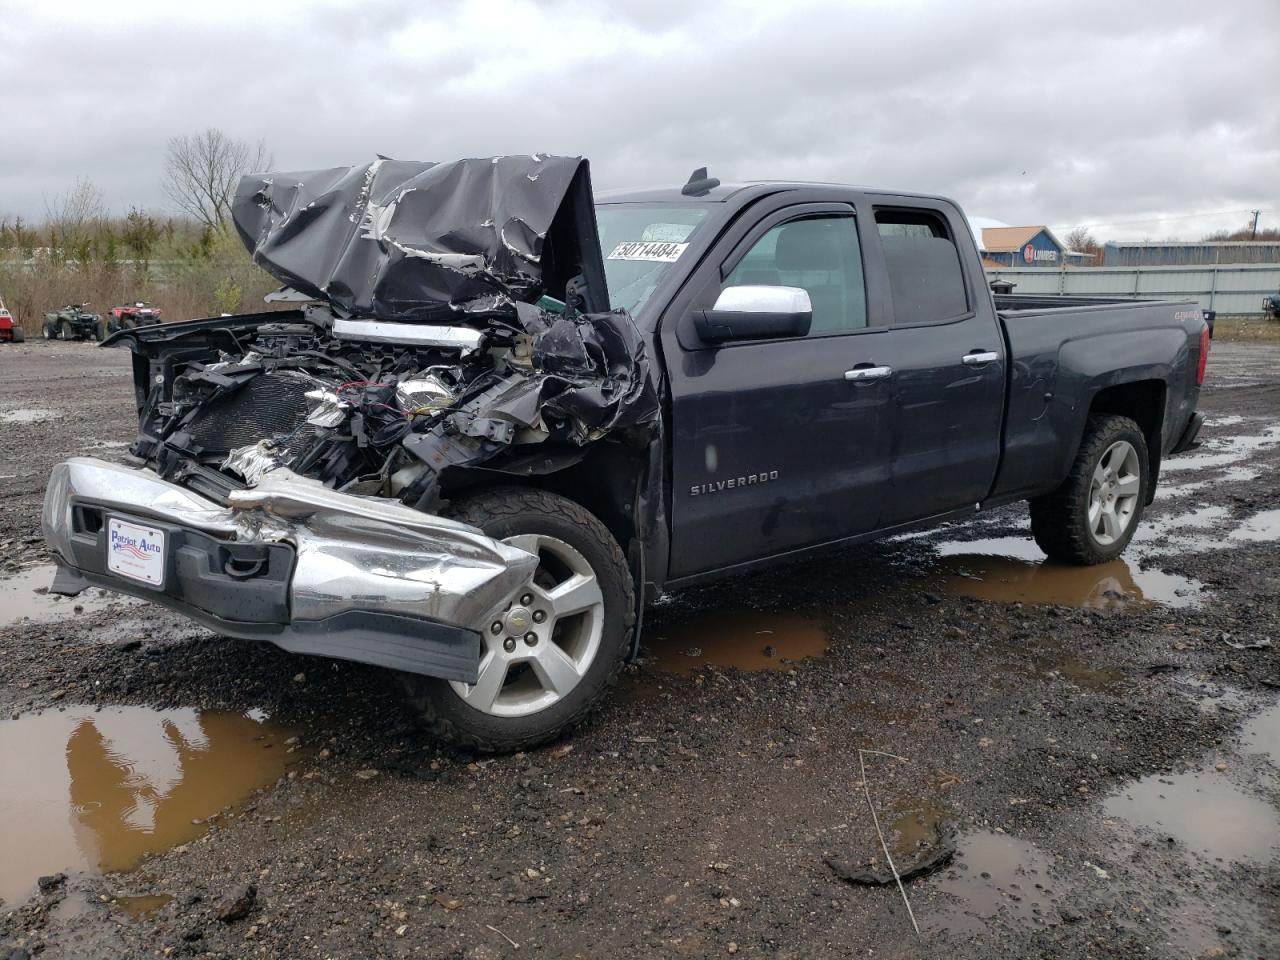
x=293, y=562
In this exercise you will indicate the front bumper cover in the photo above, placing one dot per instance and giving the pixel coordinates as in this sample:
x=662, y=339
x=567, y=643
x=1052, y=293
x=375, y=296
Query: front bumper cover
x=293, y=562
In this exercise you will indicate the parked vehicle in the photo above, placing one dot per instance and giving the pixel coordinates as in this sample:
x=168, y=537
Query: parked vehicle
x=512, y=423
x=73, y=322
x=10, y=330
x=136, y=314
x=1271, y=306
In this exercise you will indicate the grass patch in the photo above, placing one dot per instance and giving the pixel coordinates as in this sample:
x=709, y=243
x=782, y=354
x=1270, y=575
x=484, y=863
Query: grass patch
x=1254, y=327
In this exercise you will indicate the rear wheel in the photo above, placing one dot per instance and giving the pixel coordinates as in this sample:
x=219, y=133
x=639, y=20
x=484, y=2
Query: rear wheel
x=1093, y=515
x=49, y=330
x=552, y=649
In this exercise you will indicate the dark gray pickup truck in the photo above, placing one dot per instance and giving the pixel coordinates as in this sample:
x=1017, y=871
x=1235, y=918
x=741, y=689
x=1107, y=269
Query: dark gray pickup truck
x=505, y=414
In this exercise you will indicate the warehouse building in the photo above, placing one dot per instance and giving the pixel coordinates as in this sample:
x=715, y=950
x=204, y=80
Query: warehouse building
x=1194, y=254
x=1021, y=247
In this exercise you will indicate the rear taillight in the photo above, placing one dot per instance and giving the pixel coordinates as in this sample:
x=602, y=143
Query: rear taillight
x=1204, y=355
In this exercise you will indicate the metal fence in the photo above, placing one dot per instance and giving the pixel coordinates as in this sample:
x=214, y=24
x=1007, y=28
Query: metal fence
x=1228, y=289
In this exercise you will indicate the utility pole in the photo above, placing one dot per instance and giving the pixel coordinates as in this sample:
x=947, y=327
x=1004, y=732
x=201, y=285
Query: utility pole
x=1256, y=214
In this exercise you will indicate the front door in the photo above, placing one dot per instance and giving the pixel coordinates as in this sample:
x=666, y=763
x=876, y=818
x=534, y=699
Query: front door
x=775, y=447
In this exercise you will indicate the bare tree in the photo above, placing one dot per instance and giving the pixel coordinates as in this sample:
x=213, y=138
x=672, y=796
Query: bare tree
x=74, y=217
x=201, y=172
x=1082, y=241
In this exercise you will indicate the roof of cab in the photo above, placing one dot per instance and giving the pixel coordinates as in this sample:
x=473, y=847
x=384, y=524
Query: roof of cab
x=750, y=189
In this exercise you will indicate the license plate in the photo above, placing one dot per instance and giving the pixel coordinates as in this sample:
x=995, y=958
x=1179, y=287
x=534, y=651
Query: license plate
x=135, y=551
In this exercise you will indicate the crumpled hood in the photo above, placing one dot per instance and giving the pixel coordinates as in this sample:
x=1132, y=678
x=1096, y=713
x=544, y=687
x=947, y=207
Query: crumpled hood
x=415, y=240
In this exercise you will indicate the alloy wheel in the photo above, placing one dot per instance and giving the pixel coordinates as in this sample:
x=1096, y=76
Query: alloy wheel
x=1114, y=492
x=538, y=648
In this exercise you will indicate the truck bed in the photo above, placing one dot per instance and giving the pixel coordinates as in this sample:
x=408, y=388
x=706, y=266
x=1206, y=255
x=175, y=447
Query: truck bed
x=1064, y=351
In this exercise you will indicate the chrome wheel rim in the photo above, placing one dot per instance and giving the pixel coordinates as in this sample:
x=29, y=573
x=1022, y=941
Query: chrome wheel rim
x=1114, y=492
x=538, y=648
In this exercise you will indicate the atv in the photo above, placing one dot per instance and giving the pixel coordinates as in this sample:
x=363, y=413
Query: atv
x=131, y=316
x=73, y=322
x=10, y=331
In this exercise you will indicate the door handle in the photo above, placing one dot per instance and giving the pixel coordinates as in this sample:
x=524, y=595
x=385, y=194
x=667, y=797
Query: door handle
x=868, y=373
x=979, y=357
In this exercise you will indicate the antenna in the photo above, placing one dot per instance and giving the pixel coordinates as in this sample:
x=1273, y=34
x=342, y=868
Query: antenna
x=699, y=184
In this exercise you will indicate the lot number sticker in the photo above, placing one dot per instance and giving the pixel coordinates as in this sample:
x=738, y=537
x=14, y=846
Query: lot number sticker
x=135, y=551
x=652, y=250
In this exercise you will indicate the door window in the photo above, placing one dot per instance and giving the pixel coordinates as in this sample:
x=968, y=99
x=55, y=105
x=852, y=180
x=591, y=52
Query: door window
x=820, y=255
x=923, y=264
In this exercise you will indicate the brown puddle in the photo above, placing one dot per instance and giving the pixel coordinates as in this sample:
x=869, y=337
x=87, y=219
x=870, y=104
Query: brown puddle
x=141, y=906
x=743, y=639
x=994, y=875
x=81, y=789
x=1013, y=570
x=1204, y=812
x=914, y=828
x=26, y=596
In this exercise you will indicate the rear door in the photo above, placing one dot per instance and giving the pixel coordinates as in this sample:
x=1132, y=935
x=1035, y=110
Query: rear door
x=948, y=360
x=774, y=448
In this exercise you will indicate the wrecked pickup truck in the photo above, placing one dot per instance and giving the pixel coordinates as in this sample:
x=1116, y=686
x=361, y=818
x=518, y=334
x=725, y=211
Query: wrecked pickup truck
x=509, y=414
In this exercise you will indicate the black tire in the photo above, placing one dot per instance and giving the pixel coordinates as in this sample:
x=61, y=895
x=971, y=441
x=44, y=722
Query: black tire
x=65, y=332
x=514, y=511
x=49, y=330
x=19, y=335
x=97, y=331
x=1060, y=520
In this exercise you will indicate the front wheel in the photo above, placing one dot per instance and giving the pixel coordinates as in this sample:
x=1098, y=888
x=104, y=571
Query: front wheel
x=551, y=651
x=49, y=330
x=19, y=335
x=1092, y=516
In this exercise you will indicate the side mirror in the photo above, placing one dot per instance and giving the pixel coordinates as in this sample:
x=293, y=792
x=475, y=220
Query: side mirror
x=755, y=313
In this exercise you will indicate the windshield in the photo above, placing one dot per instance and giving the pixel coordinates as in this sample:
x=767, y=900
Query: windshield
x=640, y=242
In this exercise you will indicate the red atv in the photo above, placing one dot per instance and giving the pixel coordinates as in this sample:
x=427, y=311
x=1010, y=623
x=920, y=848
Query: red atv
x=9, y=329
x=136, y=314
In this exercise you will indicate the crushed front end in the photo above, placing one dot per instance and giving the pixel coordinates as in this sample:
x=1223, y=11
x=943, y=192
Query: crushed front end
x=291, y=467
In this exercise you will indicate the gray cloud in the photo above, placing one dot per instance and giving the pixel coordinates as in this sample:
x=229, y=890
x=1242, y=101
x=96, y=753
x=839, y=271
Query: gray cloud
x=1113, y=113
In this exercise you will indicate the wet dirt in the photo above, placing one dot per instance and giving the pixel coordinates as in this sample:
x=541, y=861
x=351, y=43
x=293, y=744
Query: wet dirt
x=747, y=640
x=1014, y=570
x=26, y=596
x=27, y=415
x=1203, y=811
x=705, y=807
x=84, y=789
x=993, y=875
x=1047, y=658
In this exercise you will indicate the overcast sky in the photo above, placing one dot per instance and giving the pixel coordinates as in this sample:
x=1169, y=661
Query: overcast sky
x=1121, y=114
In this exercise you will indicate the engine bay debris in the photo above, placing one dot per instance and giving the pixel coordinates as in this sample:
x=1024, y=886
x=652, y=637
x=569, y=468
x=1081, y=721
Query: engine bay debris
x=364, y=392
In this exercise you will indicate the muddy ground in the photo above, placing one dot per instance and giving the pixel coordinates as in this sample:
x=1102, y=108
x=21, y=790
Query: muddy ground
x=1103, y=749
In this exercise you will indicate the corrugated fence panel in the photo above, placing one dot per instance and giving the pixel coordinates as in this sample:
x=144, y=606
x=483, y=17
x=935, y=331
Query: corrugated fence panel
x=1229, y=289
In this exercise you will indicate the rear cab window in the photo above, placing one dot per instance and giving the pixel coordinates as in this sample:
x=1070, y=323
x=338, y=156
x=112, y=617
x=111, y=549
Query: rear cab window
x=926, y=279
